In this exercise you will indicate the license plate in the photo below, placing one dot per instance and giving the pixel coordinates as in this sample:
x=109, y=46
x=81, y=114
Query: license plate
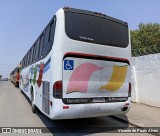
x=98, y=99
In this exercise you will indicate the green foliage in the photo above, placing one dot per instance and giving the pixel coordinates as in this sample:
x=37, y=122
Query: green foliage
x=147, y=37
x=0, y=76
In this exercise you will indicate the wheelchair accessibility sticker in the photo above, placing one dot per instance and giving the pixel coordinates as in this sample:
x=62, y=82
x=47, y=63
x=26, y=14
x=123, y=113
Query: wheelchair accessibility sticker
x=68, y=64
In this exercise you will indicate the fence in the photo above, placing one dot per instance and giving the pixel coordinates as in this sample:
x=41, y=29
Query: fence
x=153, y=49
x=146, y=79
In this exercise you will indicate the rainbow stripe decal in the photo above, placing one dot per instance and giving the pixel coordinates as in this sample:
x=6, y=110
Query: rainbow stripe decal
x=80, y=77
x=117, y=79
x=41, y=68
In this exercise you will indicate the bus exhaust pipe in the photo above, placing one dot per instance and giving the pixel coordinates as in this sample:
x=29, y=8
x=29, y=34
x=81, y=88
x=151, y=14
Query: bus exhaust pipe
x=124, y=108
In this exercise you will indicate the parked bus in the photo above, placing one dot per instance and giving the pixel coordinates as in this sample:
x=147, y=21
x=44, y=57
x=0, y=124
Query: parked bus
x=79, y=66
x=11, y=76
x=15, y=76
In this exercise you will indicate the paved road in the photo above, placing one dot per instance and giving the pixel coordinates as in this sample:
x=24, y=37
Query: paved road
x=15, y=111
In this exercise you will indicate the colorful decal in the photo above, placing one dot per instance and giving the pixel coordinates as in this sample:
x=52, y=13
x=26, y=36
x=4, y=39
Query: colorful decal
x=117, y=79
x=80, y=77
x=39, y=81
x=68, y=64
x=32, y=75
x=35, y=74
x=47, y=65
x=31, y=70
x=25, y=82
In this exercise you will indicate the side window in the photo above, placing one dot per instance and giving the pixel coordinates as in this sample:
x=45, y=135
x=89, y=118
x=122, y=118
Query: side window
x=33, y=52
x=26, y=59
x=29, y=57
x=52, y=30
x=37, y=49
x=22, y=63
x=50, y=34
x=46, y=39
x=41, y=44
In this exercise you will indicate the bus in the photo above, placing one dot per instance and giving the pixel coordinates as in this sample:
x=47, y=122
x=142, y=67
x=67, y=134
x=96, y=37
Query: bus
x=79, y=66
x=12, y=76
x=15, y=76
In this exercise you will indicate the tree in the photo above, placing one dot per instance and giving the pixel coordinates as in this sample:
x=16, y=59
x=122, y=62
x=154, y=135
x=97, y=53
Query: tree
x=0, y=76
x=146, y=35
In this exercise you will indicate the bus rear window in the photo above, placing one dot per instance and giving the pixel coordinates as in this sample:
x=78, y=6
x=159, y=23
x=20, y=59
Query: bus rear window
x=94, y=29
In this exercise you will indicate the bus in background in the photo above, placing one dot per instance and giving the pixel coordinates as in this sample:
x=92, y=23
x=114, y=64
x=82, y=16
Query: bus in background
x=15, y=76
x=11, y=76
x=79, y=66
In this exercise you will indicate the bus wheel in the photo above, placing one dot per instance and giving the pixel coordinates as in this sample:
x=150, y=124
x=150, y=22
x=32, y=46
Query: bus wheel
x=33, y=106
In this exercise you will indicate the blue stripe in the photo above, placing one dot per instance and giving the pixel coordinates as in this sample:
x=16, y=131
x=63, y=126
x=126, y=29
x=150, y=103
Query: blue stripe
x=46, y=68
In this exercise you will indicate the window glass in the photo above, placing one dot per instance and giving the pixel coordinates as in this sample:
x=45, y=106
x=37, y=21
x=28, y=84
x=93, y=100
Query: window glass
x=33, y=52
x=94, y=29
x=52, y=30
x=47, y=35
x=48, y=46
x=41, y=44
x=37, y=49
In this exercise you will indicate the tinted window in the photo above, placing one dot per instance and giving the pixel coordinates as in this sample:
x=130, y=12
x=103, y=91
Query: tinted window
x=46, y=35
x=33, y=52
x=95, y=29
x=27, y=59
x=37, y=49
x=47, y=47
x=24, y=61
x=52, y=30
x=41, y=44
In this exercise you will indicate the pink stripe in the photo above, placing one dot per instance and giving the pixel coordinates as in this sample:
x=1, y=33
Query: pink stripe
x=79, y=79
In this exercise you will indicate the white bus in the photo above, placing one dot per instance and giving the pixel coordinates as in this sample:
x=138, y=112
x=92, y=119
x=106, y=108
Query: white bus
x=79, y=66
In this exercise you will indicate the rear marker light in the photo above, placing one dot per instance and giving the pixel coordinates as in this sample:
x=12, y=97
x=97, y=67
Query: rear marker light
x=65, y=107
x=57, y=90
x=127, y=104
x=51, y=103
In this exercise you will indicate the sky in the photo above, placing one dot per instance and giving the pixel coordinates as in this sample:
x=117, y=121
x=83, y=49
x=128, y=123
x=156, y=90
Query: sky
x=21, y=21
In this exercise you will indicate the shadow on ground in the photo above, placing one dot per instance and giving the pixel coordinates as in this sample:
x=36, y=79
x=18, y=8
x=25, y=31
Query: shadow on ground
x=83, y=126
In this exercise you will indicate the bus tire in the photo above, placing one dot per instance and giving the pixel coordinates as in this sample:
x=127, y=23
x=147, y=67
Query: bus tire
x=17, y=85
x=21, y=91
x=33, y=106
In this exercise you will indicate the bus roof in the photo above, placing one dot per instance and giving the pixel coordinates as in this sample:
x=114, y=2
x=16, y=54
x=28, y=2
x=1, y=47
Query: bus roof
x=67, y=9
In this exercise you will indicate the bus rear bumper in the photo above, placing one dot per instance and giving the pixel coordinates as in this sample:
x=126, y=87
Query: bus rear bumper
x=89, y=110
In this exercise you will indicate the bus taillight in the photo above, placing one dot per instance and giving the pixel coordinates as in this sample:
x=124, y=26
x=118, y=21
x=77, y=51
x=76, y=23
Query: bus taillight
x=57, y=90
x=129, y=89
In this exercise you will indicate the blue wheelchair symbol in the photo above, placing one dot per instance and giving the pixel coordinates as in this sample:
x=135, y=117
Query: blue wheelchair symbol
x=68, y=64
